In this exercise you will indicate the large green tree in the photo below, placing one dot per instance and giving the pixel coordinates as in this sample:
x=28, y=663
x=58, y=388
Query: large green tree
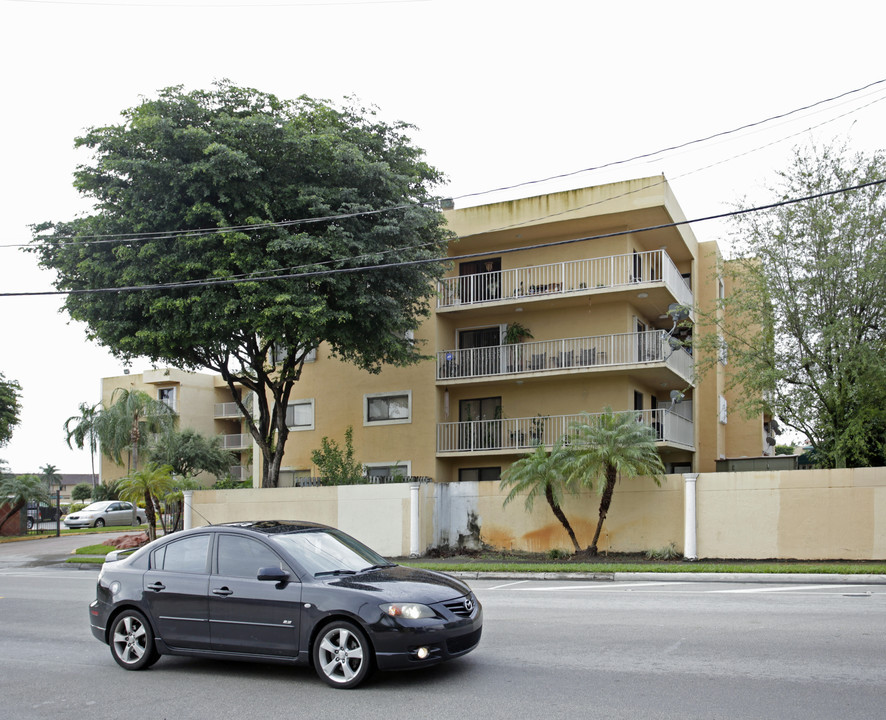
x=237, y=185
x=605, y=447
x=804, y=319
x=10, y=408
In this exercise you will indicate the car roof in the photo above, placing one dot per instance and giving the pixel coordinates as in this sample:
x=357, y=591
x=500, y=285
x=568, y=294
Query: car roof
x=275, y=527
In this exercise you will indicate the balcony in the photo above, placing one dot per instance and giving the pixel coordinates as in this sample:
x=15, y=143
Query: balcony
x=236, y=442
x=652, y=348
x=240, y=472
x=508, y=435
x=578, y=277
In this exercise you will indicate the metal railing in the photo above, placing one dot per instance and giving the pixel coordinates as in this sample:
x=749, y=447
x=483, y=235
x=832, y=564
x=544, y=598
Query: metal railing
x=613, y=271
x=596, y=351
x=236, y=442
x=528, y=432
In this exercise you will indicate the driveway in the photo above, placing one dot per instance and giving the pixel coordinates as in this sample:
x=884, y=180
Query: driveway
x=49, y=551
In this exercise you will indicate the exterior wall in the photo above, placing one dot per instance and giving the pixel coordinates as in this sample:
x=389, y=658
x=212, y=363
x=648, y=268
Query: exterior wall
x=797, y=514
x=378, y=515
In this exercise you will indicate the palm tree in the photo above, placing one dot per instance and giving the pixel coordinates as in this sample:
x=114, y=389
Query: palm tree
x=540, y=472
x=16, y=491
x=49, y=475
x=605, y=447
x=81, y=429
x=128, y=424
x=153, y=481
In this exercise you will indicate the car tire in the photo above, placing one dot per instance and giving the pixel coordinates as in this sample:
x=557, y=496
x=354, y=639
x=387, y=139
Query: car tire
x=30, y=523
x=99, y=523
x=132, y=641
x=342, y=655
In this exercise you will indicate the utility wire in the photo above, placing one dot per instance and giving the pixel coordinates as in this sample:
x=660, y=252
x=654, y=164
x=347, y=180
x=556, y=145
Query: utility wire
x=645, y=156
x=172, y=234
x=428, y=261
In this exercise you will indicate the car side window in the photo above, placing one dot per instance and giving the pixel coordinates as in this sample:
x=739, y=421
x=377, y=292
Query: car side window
x=243, y=557
x=188, y=555
x=112, y=506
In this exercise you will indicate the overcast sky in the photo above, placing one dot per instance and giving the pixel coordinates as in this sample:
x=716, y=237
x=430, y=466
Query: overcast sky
x=502, y=92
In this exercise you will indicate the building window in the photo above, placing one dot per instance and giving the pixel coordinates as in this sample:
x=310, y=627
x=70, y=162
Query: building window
x=723, y=410
x=278, y=353
x=388, y=470
x=167, y=397
x=387, y=408
x=300, y=415
x=479, y=474
x=723, y=350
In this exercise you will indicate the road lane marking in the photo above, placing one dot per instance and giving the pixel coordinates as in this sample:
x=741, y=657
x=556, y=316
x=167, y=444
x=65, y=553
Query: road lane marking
x=601, y=586
x=786, y=588
x=510, y=584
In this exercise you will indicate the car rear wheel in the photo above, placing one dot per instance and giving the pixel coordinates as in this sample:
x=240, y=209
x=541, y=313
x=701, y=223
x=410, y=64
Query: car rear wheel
x=342, y=655
x=99, y=523
x=30, y=523
x=132, y=642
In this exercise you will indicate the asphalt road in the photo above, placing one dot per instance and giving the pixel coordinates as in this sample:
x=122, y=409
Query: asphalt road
x=551, y=649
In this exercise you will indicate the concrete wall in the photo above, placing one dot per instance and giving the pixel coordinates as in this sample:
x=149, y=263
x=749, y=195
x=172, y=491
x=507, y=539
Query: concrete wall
x=799, y=514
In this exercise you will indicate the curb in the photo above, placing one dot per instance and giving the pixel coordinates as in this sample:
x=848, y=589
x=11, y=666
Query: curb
x=773, y=578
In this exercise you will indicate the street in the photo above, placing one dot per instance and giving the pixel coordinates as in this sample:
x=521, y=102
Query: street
x=550, y=649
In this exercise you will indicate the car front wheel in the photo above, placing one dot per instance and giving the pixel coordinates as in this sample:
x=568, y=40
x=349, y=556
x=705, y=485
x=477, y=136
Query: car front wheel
x=342, y=655
x=30, y=523
x=132, y=642
x=99, y=523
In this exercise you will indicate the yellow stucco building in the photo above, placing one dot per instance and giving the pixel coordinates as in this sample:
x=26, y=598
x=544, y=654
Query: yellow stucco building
x=592, y=277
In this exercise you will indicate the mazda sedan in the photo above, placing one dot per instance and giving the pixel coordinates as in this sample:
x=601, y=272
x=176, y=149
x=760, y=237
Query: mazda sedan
x=280, y=591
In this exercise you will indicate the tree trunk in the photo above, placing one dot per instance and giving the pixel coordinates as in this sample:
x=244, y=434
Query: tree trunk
x=605, y=502
x=558, y=513
x=152, y=518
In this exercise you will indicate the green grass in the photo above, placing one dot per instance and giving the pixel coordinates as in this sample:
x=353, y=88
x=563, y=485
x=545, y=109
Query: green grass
x=836, y=568
x=94, y=550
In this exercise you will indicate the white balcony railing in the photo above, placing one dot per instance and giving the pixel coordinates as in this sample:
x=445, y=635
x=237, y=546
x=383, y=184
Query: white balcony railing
x=613, y=271
x=596, y=351
x=525, y=433
x=227, y=410
x=240, y=472
x=236, y=442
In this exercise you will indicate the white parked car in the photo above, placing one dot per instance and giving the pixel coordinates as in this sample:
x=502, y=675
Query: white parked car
x=106, y=512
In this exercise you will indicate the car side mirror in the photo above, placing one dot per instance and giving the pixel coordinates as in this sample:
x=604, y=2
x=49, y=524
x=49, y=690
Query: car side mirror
x=273, y=574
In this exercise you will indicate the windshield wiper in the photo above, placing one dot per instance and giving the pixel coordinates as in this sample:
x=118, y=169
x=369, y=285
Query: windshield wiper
x=335, y=572
x=378, y=567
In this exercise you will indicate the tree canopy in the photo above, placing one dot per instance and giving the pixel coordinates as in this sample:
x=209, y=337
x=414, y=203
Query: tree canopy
x=10, y=408
x=805, y=316
x=188, y=453
x=223, y=193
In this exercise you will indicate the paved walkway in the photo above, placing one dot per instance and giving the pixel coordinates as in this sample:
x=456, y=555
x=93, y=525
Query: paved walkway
x=41, y=552
x=38, y=552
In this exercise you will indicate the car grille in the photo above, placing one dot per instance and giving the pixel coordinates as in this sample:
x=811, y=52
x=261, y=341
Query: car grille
x=463, y=642
x=463, y=607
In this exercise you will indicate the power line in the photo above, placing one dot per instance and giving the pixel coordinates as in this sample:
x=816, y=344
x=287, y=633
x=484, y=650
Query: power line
x=197, y=232
x=428, y=261
x=645, y=156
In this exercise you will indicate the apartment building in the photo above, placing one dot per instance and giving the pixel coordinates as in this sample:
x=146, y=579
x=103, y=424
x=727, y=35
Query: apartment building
x=555, y=306
x=203, y=403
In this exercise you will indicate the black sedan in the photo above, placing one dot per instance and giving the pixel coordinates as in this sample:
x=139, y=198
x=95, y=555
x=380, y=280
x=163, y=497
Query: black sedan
x=280, y=591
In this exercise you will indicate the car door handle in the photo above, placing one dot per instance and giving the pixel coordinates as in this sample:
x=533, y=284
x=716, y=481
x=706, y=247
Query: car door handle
x=223, y=591
x=157, y=586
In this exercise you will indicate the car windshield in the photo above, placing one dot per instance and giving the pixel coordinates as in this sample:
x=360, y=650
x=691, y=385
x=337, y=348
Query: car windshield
x=329, y=552
x=95, y=507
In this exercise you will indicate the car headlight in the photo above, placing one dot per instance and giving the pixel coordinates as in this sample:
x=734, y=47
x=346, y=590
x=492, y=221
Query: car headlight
x=411, y=611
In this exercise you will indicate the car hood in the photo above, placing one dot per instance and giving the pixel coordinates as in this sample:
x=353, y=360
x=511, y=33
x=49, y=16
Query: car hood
x=399, y=583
